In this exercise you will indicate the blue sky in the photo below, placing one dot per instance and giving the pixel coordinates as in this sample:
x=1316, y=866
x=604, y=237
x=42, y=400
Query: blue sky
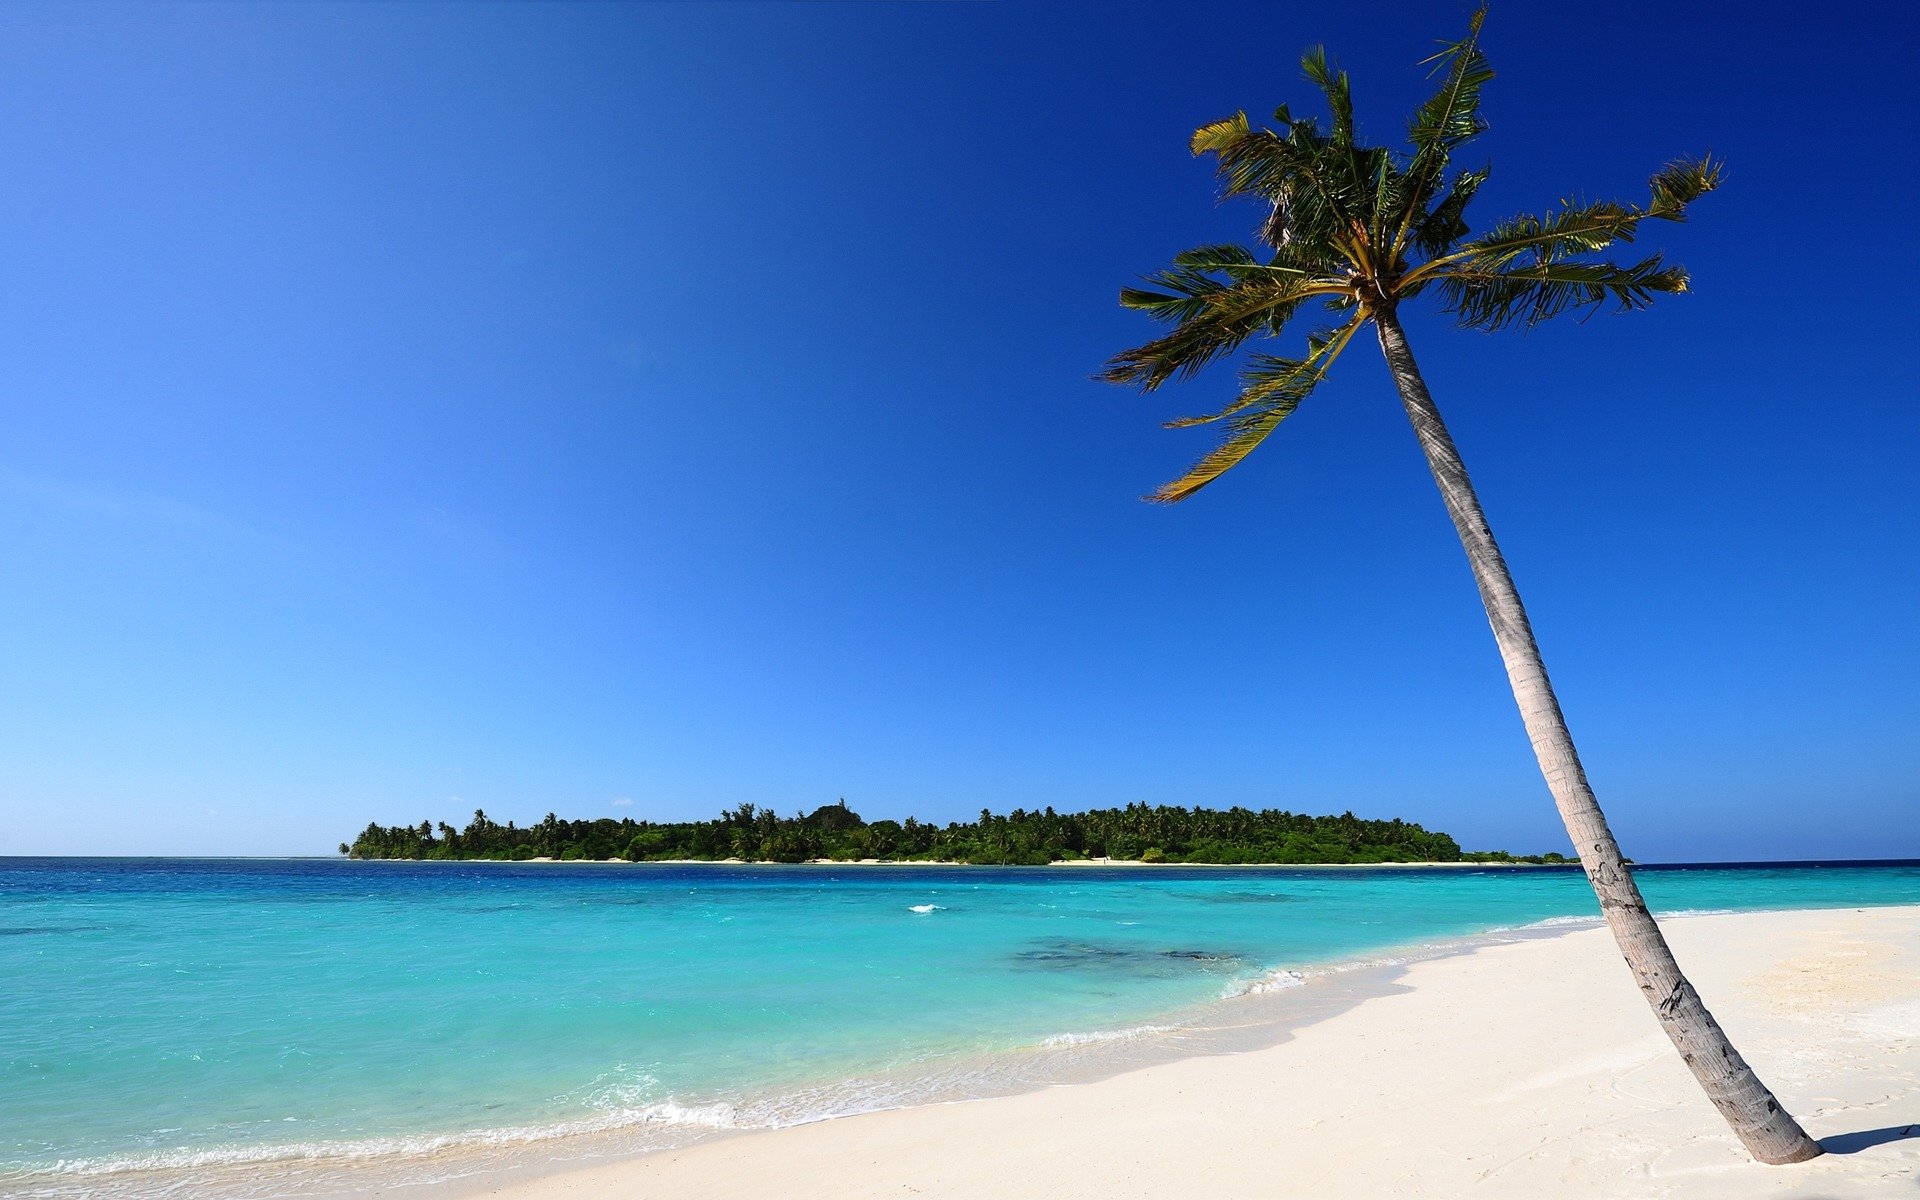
x=640, y=410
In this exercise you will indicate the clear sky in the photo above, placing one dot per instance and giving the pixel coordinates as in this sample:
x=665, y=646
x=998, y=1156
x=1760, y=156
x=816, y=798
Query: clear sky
x=641, y=410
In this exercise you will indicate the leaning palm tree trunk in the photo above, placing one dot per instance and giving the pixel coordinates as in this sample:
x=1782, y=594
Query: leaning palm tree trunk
x=1769, y=1131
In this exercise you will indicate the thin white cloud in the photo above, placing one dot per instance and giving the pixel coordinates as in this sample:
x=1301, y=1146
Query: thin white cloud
x=121, y=507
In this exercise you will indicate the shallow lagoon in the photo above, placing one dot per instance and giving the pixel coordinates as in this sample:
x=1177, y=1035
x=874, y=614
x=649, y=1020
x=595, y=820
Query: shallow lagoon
x=182, y=1012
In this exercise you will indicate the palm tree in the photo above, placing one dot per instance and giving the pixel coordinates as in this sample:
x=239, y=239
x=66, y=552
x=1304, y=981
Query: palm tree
x=1362, y=229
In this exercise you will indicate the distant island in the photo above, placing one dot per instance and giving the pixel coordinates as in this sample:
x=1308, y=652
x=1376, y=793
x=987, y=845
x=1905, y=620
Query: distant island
x=1021, y=838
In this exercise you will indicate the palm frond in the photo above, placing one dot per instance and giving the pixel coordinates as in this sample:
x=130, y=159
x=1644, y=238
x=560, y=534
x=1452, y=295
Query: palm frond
x=1452, y=114
x=1572, y=229
x=1223, y=257
x=1210, y=139
x=1273, y=166
x=1497, y=298
x=1679, y=184
x=1274, y=388
x=1183, y=352
x=1389, y=196
x=1186, y=288
x=1213, y=318
x=1575, y=228
x=1449, y=118
x=1248, y=431
x=1338, y=90
x=1266, y=375
x=1436, y=231
x=1319, y=190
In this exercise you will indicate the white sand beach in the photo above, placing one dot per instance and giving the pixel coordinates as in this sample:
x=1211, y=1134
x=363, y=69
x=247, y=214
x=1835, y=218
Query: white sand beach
x=1528, y=1070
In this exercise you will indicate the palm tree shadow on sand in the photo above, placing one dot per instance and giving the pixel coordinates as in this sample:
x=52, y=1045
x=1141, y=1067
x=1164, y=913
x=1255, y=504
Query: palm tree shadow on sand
x=1866, y=1139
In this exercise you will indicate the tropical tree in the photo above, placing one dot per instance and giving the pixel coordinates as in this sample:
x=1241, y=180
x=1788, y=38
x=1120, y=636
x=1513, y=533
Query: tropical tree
x=1357, y=230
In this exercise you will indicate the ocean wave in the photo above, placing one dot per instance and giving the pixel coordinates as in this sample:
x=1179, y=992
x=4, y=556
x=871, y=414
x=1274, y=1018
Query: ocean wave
x=1106, y=1035
x=1283, y=978
x=716, y=1115
x=1579, y=921
x=623, y=1088
x=1272, y=981
x=1568, y=922
x=923, y=909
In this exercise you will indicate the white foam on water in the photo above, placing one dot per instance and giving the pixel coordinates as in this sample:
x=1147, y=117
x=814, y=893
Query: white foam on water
x=717, y=1115
x=1272, y=981
x=1106, y=1035
x=923, y=909
x=1546, y=923
x=1283, y=978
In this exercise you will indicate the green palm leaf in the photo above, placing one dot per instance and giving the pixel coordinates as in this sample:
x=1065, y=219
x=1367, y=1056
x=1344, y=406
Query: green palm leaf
x=1248, y=431
x=1213, y=318
x=1575, y=229
x=1447, y=120
x=1679, y=184
x=1265, y=376
x=1338, y=91
x=1528, y=295
x=1439, y=229
x=1273, y=389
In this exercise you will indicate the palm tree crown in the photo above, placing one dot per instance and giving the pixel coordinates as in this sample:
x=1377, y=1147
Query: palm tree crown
x=1360, y=228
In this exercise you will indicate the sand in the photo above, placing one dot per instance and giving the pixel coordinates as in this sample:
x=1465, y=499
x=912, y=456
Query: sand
x=1528, y=1070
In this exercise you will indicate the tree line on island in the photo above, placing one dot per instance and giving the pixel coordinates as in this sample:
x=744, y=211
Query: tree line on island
x=1155, y=834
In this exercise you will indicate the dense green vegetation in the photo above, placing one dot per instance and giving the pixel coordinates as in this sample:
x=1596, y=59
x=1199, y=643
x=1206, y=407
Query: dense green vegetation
x=834, y=831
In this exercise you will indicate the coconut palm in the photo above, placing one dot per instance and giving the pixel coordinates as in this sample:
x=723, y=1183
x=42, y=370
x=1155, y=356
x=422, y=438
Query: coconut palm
x=1358, y=230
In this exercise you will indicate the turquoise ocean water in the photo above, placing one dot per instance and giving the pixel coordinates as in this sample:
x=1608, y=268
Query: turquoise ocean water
x=164, y=1020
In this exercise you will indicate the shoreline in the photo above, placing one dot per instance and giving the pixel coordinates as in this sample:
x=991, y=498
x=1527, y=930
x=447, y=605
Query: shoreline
x=451, y=1166
x=1511, y=1101
x=1212, y=1051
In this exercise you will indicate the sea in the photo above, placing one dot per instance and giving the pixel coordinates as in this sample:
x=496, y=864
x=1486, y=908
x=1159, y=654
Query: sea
x=245, y=1027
